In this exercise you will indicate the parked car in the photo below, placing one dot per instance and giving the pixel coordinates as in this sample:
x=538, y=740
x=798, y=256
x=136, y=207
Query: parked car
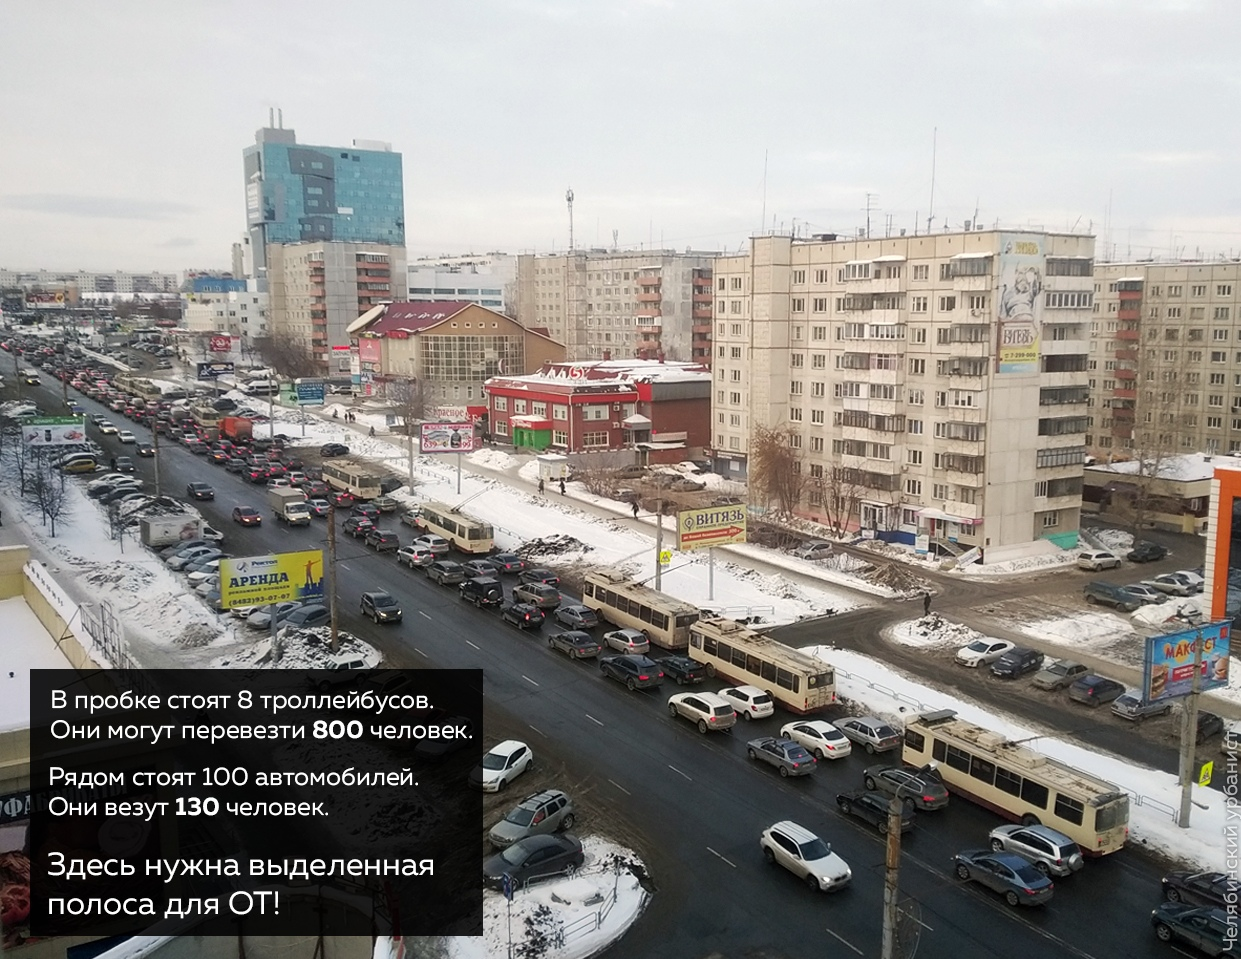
x=1132, y=706
x=200, y=491
x=1110, y=594
x=1217, y=889
x=415, y=557
x=1146, y=552
x=805, y=855
x=380, y=606
x=483, y=591
x=333, y=449
x=575, y=644
x=308, y=616
x=921, y=787
x=260, y=617
x=873, y=734
x=636, y=672
x=436, y=544
x=1097, y=559
x=707, y=711
x=247, y=516
x=1095, y=690
x=577, y=617
x=1175, y=584
x=1194, y=576
x=537, y=594
x=1050, y=852
x=507, y=562
x=983, y=652
x=1059, y=674
x=1208, y=930
x=446, y=572
x=539, y=575
x=523, y=615
x=1145, y=592
x=1017, y=880
x=539, y=814
x=749, y=701
x=682, y=669
x=501, y=764
x=628, y=641
x=790, y=758
x=821, y=738
x=1208, y=725
x=814, y=549
x=873, y=807
x=1017, y=662
x=538, y=857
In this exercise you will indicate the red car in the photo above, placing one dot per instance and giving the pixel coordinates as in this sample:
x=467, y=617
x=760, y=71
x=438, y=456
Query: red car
x=247, y=516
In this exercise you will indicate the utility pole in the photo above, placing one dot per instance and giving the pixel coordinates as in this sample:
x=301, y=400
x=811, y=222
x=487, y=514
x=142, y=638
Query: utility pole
x=155, y=447
x=331, y=573
x=1189, y=737
x=659, y=542
x=891, y=877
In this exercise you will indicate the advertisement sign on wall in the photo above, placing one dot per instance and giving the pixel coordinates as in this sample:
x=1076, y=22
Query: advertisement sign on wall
x=370, y=350
x=1019, y=307
x=45, y=301
x=220, y=344
x=1169, y=663
x=54, y=430
x=447, y=437
x=278, y=578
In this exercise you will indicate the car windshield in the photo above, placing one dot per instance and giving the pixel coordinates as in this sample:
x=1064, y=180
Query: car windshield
x=385, y=600
x=1058, y=669
x=814, y=849
x=1029, y=875
x=521, y=816
x=979, y=647
x=797, y=753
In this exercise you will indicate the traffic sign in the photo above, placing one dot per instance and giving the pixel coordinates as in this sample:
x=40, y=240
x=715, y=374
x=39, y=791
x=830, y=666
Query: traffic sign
x=711, y=526
x=1204, y=774
x=665, y=557
x=310, y=392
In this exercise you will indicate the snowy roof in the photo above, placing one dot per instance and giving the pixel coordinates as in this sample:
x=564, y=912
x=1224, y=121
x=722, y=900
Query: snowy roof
x=970, y=256
x=1185, y=468
x=889, y=258
x=27, y=645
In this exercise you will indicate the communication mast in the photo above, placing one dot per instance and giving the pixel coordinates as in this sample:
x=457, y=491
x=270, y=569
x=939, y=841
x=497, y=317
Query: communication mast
x=568, y=198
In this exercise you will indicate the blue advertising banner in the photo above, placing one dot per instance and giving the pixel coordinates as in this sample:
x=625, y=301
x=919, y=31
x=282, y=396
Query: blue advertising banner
x=310, y=392
x=1169, y=663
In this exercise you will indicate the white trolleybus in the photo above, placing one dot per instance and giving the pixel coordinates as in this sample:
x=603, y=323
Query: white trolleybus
x=466, y=534
x=1019, y=783
x=357, y=479
x=664, y=619
x=799, y=682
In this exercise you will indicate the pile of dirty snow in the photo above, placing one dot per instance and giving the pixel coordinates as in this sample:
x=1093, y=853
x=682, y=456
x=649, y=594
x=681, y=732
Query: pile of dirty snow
x=300, y=649
x=932, y=630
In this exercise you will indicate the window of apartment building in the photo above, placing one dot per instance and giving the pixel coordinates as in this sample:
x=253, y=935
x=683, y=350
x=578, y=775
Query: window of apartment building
x=799, y=277
x=734, y=419
x=797, y=360
x=816, y=444
x=1197, y=335
x=734, y=329
x=913, y=457
x=734, y=283
x=818, y=361
x=1219, y=356
x=1215, y=422
x=500, y=428
x=799, y=304
x=720, y=417
x=720, y=285
x=816, y=417
x=922, y=272
x=917, y=367
x=560, y=411
x=1218, y=335
x=820, y=304
x=797, y=332
x=913, y=426
x=1171, y=336
x=795, y=387
x=978, y=301
x=1223, y=289
x=735, y=376
x=939, y=490
x=1217, y=379
x=913, y=487
x=1194, y=356
x=947, y=304
x=500, y=404
x=721, y=306
x=1051, y=520
x=1221, y=313
x=795, y=414
x=1176, y=290
x=519, y=406
x=734, y=442
x=734, y=399
x=820, y=276
x=560, y=438
x=595, y=411
x=818, y=389
x=1198, y=290
x=720, y=352
x=720, y=373
x=734, y=306
x=538, y=409
x=1174, y=313
x=795, y=442
x=816, y=470
x=1064, y=456
x=735, y=352
x=915, y=397
x=851, y=331
x=599, y=438
x=917, y=334
x=918, y=304
x=1214, y=399
x=1040, y=488
x=853, y=271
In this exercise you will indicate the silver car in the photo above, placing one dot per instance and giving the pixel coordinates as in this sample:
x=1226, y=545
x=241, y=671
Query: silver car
x=1052, y=853
x=627, y=641
x=1145, y=592
x=536, y=815
x=1131, y=706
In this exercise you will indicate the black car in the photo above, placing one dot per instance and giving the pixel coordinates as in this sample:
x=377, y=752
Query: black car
x=307, y=617
x=199, y=491
x=1207, y=930
x=683, y=669
x=483, y=591
x=1208, y=725
x=145, y=450
x=873, y=807
x=1201, y=888
x=1017, y=662
x=381, y=607
x=333, y=449
x=124, y=464
x=523, y=615
x=539, y=575
x=507, y=562
x=1146, y=552
x=358, y=526
x=538, y=857
x=219, y=457
x=635, y=671
x=382, y=541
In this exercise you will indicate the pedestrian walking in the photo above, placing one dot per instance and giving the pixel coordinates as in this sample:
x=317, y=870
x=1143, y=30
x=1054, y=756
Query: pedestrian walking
x=926, y=603
x=372, y=431
x=562, y=486
x=1, y=519
x=112, y=464
x=635, y=509
x=541, y=493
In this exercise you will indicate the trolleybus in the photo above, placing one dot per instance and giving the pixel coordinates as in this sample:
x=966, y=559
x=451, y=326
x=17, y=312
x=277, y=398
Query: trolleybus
x=664, y=619
x=466, y=534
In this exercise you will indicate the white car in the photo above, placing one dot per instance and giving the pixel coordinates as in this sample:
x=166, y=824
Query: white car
x=415, y=557
x=436, y=544
x=750, y=702
x=627, y=641
x=820, y=738
x=814, y=549
x=983, y=652
x=1174, y=583
x=501, y=765
x=805, y=855
x=211, y=569
x=707, y=711
x=211, y=534
x=107, y=428
x=110, y=479
x=1196, y=581
x=182, y=560
x=1097, y=559
x=126, y=436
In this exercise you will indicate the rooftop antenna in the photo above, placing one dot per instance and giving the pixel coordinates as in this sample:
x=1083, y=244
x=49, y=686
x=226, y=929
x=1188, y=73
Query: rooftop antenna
x=869, y=197
x=615, y=234
x=280, y=118
x=934, y=145
x=271, y=117
x=762, y=223
x=568, y=198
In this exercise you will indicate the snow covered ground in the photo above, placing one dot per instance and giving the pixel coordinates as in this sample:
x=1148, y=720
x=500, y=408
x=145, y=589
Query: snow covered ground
x=891, y=694
x=932, y=631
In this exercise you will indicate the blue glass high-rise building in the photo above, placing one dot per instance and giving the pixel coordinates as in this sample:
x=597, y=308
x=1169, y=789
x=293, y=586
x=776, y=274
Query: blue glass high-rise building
x=296, y=193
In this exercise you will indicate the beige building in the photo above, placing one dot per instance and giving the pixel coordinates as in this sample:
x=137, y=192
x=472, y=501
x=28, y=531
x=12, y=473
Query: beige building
x=604, y=304
x=1173, y=494
x=317, y=289
x=242, y=313
x=936, y=385
x=1165, y=359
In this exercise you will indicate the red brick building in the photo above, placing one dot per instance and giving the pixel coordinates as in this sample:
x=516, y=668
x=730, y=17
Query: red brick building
x=660, y=409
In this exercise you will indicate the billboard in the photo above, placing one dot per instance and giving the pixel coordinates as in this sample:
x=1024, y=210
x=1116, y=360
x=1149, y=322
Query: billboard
x=45, y=301
x=710, y=526
x=447, y=437
x=1168, y=670
x=15, y=867
x=370, y=350
x=209, y=371
x=277, y=578
x=220, y=344
x=309, y=392
x=54, y=430
x=1019, y=306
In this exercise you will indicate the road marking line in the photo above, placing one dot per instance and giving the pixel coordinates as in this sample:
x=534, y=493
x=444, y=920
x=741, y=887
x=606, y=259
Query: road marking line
x=718, y=856
x=419, y=651
x=529, y=680
x=475, y=645
x=593, y=720
x=423, y=615
x=917, y=920
x=541, y=733
x=679, y=773
x=620, y=787
x=844, y=940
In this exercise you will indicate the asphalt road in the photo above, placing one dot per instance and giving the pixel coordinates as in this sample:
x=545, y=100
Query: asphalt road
x=693, y=807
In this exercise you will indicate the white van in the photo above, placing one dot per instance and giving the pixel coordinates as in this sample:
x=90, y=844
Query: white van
x=262, y=388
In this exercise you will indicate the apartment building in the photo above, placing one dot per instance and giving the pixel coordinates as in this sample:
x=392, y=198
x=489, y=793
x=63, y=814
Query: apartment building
x=486, y=279
x=603, y=303
x=1165, y=359
x=935, y=386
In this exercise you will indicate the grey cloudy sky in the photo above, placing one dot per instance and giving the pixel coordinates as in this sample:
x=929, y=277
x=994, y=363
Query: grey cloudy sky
x=124, y=122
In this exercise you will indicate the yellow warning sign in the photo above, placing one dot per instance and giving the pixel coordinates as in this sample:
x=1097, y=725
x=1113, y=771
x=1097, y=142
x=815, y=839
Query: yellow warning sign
x=1204, y=774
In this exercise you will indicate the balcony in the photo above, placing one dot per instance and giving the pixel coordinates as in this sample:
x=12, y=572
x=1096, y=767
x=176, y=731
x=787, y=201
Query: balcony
x=1122, y=431
x=962, y=510
x=703, y=297
x=650, y=329
x=652, y=296
x=1129, y=295
x=701, y=313
x=1063, y=347
x=1124, y=393
x=1126, y=374
x=868, y=464
x=1126, y=315
x=647, y=312
x=1131, y=336
x=703, y=328
x=1123, y=414
x=973, y=284
x=1128, y=355
x=881, y=407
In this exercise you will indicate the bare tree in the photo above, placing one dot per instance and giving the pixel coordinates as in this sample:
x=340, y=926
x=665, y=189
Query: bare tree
x=23, y=460
x=410, y=400
x=288, y=354
x=776, y=466
x=49, y=489
x=840, y=493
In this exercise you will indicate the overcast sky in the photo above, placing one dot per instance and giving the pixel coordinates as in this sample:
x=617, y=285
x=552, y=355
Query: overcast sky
x=124, y=122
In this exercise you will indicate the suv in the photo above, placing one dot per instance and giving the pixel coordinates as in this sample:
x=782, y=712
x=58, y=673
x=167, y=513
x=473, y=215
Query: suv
x=446, y=572
x=1017, y=662
x=536, y=815
x=707, y=711
x=683, y=670
x=1095, y=690
x=805, y=855
x=381, y=607
x=1111, y=595
x=537, y=594
x=382, y=541
x=1097, y=559
x=1051, y=852
x=636, y=672
x=1058, y=674
x=483, y=591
